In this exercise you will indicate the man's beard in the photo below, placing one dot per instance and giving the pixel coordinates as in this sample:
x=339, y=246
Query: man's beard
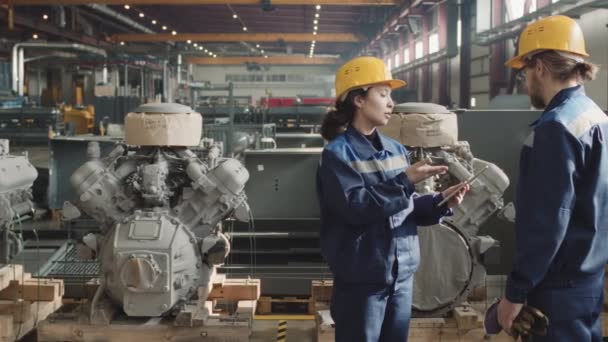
x=535, y=94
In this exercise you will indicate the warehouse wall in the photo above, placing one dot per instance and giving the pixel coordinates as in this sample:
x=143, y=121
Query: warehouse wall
x=317, y=80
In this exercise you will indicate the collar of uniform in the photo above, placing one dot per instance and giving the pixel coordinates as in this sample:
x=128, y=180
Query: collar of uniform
x=363, y=146
x=559, y=98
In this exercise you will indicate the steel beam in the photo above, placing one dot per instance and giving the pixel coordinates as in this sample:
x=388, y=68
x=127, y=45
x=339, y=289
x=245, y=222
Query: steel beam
x=206, y=2
x=276, y=60
x=238, y=37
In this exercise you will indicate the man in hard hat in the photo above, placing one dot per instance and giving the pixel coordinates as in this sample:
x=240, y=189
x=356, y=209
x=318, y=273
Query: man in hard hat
x=562, y=193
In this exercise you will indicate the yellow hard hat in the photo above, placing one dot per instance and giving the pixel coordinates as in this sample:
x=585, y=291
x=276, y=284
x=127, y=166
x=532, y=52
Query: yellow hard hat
x=556, y=32
x=363, y=72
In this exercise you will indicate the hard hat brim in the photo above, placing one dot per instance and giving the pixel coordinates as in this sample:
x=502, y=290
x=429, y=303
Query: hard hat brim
x=393, y=84
x=517, y=62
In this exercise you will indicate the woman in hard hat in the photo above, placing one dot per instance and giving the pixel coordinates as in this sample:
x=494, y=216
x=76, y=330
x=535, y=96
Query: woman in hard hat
x=562, y=196
x=369, y=211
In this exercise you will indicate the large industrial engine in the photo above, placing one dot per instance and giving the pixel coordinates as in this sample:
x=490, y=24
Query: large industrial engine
x=160, y=205
x=16, y=178
x=451, y=252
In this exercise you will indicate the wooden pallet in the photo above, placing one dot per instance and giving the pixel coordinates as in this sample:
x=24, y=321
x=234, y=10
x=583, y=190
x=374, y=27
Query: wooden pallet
x=226, y=316
x=25, y=301
x=289, y=305
x=465, y=324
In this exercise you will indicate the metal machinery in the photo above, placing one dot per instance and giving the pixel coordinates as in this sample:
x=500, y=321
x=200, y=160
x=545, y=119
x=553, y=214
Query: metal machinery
x=159, y=205
x=30, y=124
x=452, y=251
x=303, y=114
x=16, y=178
x=81, y=117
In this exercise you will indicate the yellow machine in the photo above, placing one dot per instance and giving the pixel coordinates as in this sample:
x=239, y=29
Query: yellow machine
x=83, y=118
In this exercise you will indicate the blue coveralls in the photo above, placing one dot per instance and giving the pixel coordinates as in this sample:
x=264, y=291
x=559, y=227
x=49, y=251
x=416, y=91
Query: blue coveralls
x=562, y=218
x=369, y=214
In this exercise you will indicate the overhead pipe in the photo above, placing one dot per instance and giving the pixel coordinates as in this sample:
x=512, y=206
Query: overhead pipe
x=122, y=18
x=18, y=60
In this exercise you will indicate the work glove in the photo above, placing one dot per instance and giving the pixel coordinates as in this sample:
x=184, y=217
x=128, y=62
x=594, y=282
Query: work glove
x=530, y=321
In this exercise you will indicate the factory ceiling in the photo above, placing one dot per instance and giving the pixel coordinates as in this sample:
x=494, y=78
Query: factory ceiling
x=212, y=28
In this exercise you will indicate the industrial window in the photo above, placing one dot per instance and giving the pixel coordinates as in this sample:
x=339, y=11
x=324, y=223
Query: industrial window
x=433, y=42
x=516, y=8
x=389, y=64
x=397, y=59
x=418, y=51
x=406, y=55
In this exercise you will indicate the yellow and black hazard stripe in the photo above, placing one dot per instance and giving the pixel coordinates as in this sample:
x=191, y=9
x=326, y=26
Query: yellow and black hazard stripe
x=282, y=331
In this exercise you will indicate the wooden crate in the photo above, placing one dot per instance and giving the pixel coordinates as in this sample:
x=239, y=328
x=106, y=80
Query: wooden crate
x=25, y=301
x=226, y=316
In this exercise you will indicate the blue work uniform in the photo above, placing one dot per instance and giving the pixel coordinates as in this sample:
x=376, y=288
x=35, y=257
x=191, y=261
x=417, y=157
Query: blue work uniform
x=562, y=218
x=369, y=218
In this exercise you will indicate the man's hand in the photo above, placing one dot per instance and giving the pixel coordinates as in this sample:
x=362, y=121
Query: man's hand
x=421, y=170
x=507, y=312
x=459, y=197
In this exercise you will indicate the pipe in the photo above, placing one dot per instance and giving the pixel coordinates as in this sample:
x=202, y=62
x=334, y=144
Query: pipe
x=115, y=15
x=179, y=69
x=18, y=62
x=464, y=97
x=165, y=80
x=126, y=81
x=104, y=74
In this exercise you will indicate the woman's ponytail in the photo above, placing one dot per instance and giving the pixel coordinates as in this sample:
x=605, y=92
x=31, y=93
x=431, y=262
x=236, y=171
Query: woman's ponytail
x=337, y=119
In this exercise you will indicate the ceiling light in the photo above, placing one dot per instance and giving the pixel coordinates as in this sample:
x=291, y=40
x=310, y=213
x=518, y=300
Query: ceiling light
x=173, y=33
x=122, y=43
x=315, y=22
x=164, y=27
x=244, y=28
x=262, y=51
x=214, y=56
x=234, y=16
x=210, y=53
x=205, y=50
x=316, y=15
x=127, y=7
x=318, y=7
x=265, y=56
x=314, y=42
x=35, y=36
x=257, y=46
x=195, y=44
x=200, y=48
x=316, y=27
x=45, y=16
x=189, y=41
x=153, y=22
x=141, y=14
x=314, y=33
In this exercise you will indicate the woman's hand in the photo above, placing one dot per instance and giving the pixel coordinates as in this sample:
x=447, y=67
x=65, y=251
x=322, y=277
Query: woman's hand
x=461, y=190
x=421, y=170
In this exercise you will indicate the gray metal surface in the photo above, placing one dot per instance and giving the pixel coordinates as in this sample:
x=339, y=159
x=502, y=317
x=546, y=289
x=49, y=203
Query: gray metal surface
x=282, y=183
x=299, y=140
